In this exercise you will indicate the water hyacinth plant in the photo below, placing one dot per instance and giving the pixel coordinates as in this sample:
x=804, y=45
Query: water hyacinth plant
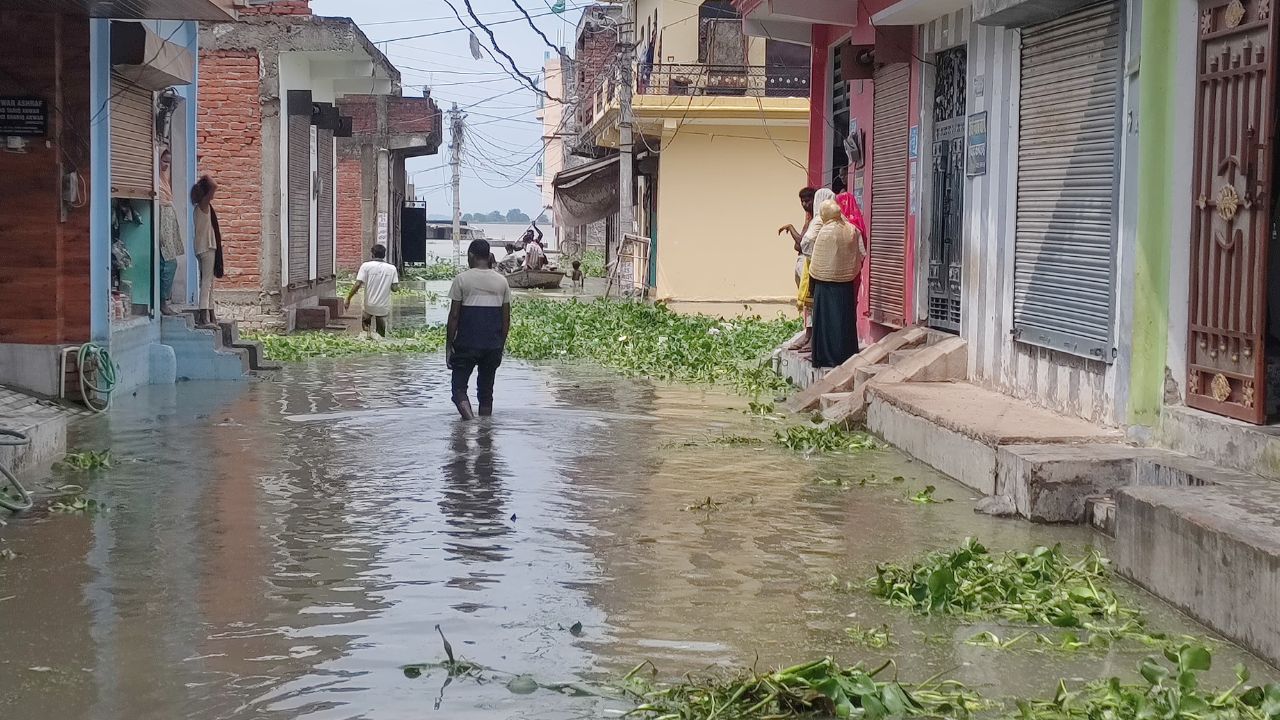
x=1041, y=587
x=633, y=338
x=818, y=689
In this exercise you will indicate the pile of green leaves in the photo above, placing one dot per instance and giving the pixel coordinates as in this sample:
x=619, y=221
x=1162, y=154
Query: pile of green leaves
x=436, y=268
x=810, y=438
x=652, y=341
x=1168, y=691
x=86, y=460
x=1041, y=587
x=818, y=689
x=593, y=263
x=306, y=345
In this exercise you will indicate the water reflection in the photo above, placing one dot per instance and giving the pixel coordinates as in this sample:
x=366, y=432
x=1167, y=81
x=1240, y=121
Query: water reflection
x=473, y=500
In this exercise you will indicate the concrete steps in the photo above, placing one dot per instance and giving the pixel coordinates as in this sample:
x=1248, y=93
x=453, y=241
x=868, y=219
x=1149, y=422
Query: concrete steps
x=201, y=353
x=230, y=336
x=1206, y=539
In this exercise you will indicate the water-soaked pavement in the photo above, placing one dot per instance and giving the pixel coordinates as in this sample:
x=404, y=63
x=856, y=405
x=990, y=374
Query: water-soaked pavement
x=281, y=549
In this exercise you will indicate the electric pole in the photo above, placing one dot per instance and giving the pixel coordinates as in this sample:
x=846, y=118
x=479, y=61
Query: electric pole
x=455, y=162
x=626, y=214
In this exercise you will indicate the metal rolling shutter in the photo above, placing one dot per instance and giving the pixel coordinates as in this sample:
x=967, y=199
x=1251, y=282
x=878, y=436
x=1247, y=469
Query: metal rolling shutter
x=324, y=206
x=889, y=140
x=133, y=154
x=299, y=159
x=1064, y=248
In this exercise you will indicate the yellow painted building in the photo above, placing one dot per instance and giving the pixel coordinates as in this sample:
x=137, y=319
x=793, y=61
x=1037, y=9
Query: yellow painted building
x=721, y=129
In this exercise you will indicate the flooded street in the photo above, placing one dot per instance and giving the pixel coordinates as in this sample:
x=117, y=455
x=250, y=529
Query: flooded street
x=282, y=549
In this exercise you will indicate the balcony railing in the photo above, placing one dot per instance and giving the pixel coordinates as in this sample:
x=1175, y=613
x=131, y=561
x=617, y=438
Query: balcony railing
x=723, y=80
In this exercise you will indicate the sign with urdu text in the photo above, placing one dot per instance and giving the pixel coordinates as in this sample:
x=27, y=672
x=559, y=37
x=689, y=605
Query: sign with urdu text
x=24, y=116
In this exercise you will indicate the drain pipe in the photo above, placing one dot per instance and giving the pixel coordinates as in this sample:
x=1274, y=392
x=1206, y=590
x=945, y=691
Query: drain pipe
x=13, y=438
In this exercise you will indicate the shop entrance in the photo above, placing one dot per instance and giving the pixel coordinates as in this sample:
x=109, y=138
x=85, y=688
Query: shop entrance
x=946, y=221
x=1230, y=331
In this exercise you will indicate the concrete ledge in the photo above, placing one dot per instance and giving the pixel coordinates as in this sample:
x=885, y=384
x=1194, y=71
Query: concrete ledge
x=1213, y=551
x=955, y=454
x=957, y=429
x=990, y=417
x=1052, y=483
x=1222, y=441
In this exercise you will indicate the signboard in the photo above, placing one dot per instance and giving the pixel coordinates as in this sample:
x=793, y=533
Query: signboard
x=382, y=228
x=915, y=180
x=914, y=147
x=976, y=155
x=24, y=116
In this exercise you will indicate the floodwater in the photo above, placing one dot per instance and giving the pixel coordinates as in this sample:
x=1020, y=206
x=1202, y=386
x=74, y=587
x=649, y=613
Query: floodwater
x=281, y=549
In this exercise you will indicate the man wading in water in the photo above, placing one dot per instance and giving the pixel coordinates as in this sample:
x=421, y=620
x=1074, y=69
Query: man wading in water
x=479, y=321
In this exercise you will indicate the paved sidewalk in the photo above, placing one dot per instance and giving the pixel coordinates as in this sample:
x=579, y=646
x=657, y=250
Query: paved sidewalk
x=44, y=421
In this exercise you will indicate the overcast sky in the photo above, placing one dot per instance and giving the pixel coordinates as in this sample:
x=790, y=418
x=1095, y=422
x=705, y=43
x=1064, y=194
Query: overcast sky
x=505, y=136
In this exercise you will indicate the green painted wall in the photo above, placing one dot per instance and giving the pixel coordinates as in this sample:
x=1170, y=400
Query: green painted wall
x=1155, y=170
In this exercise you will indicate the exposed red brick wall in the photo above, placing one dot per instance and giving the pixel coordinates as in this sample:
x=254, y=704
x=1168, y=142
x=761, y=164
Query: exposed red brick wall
x=412, y=116
x=230, y=146
x=594, y=52
x=363, y=111
x=350, y=213
x=44, y=273
x=277, y=7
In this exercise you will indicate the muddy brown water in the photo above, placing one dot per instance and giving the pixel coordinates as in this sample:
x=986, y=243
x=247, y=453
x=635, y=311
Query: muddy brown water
x=281, y=549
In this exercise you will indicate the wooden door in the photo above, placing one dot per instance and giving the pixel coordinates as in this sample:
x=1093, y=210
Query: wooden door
x=1231, y=212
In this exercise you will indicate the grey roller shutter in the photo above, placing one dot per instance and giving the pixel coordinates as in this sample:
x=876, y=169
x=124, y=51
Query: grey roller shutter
x=324, y=206
x=299, y=160
x=132, y=140
x=1064, y=250
x=889, y=147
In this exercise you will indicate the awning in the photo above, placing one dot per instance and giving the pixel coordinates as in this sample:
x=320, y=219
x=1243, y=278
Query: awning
x=148, y=60
x=586, y=193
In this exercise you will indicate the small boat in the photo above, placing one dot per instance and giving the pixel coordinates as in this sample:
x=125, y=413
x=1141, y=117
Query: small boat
x=529, y=279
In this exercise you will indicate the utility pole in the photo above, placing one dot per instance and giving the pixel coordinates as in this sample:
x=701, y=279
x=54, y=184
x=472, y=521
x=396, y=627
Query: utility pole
x=626, y=214
x=455, y=162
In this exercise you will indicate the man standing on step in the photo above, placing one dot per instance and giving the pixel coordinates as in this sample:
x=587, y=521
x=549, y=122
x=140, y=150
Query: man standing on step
x=379, y=279
x=479, y=321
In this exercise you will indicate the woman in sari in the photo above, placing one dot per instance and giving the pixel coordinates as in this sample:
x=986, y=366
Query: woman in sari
x=834, y=264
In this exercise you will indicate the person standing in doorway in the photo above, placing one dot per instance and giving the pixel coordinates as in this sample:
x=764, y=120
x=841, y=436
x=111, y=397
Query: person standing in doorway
x=207, y=246
x=379, y=279
x=172, y=242
x=479, y=322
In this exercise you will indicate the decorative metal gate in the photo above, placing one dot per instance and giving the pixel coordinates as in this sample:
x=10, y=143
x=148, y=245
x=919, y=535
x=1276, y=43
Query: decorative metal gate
x=946, y=224
x=1231, y=217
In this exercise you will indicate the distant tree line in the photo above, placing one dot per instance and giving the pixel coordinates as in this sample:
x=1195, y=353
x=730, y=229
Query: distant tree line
x=514, y=215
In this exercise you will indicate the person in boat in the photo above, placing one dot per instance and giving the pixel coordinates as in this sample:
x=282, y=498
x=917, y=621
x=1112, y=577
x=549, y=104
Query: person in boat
x=512, y=261
x=535, y=257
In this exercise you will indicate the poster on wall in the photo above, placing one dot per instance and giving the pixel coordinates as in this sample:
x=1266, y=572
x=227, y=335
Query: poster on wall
x=382, y=228
x=976, y=155
x=24, y=117
x=913, y=146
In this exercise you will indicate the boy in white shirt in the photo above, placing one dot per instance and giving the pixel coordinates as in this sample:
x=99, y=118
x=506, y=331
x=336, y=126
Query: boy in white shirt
x=379, y=279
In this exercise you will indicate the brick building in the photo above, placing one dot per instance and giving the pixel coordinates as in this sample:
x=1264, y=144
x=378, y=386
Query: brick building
x=107, y=98
x=385, y=131
x=272, y=134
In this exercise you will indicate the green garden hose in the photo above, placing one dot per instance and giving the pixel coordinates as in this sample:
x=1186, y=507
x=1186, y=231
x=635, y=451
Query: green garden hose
x=100, y=359
x=23, y=499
